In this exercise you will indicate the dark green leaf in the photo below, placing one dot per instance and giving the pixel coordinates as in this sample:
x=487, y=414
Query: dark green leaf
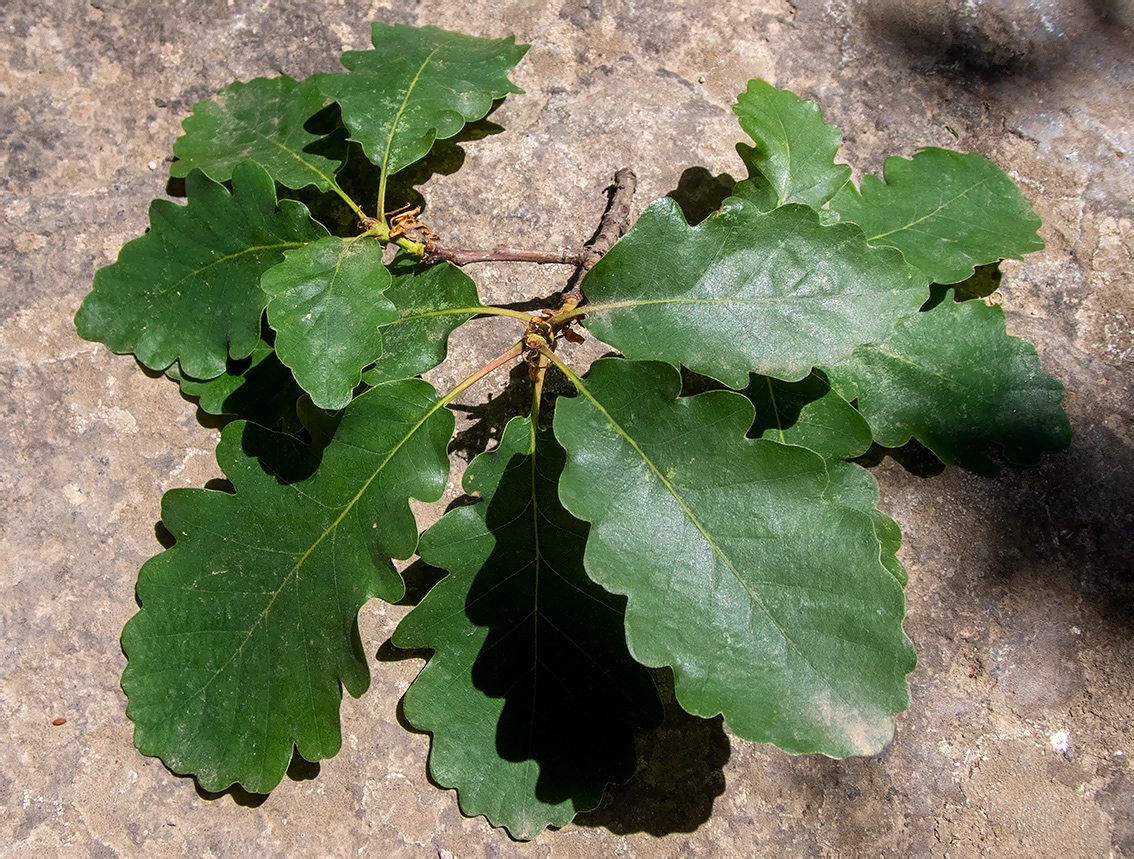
x=984, y=281
x=432, y=302
x=257, y=388
x=751, y=573
x=326, y=306
x=794, y=157
x=248, y=624
x=807, y=413
x=947, y=212
x=262, y=121
x=952, y=378
x=854, y=486
x=418, y=85
x=530, y=695
x=189, y=289
x=746, y=291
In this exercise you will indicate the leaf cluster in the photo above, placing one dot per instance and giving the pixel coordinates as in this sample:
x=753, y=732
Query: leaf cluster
x=726, y=535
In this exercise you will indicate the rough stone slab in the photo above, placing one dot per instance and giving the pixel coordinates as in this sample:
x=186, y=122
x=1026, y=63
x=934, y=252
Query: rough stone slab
x=1019, y=738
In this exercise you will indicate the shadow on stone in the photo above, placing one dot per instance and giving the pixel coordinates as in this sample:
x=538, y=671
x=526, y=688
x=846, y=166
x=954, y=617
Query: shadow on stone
x=982, y=44
x=485, y=422
x=1075, y=512
x=299, y=769
x=680, y=774
x=913, y=456
x=699, y=193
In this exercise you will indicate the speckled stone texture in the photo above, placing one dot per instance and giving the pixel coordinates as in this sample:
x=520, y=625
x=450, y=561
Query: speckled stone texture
x=1019, y=737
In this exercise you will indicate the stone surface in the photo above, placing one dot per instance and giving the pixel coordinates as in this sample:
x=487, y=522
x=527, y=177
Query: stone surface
x=1019, y=737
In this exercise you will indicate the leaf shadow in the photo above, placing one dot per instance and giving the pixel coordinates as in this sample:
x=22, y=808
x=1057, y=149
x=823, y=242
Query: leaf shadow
x=300, y=769
x=480, y=426
x=699, y=193
x=361, y=179
x=1073, y=514
x=913, y=456
x=680, y=774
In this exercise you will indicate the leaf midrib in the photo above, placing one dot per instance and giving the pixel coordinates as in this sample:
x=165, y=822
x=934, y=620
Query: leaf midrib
x=717, y=551
x=305, y=555
x=926, y=217
x=287, y=149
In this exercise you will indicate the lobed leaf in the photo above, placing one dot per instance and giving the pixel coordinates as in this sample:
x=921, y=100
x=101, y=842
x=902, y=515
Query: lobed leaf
x=189, y=289
x=947, y=212
x=794, y=157
x=853, y=486
x=807, y=413
x=774, y=293
x=248, y=623
x=747, y=569
x=432, y=301
x=264, y=121
x=952, y=378
x=326, y=305
x=418, y=85
x=530, y=695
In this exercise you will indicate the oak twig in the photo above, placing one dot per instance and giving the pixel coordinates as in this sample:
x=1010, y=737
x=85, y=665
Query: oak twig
x=616, y=219
x=614, y=224
x=502, y=253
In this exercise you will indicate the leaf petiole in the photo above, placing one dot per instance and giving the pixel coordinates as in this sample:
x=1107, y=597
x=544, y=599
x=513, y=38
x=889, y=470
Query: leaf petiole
x=354, y=207
x=488, y=368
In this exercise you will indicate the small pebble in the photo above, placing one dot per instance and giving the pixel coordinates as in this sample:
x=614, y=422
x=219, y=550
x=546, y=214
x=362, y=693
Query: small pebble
x=152, y=165
x=58, y=722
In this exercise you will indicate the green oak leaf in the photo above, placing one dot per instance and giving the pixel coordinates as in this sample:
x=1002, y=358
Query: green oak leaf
x=257, y=388
x=807, y=413
x=189, y=289
x=952, y=378
x=751, y=572
x=248, y=623
x=853, y=486
x=432, y=302
x=418, y=85
x=262, y=121
x=530, y=695
x=946, y=211
x=794, y=157
x=810, y=414
x=770, y=292
x=326, y=305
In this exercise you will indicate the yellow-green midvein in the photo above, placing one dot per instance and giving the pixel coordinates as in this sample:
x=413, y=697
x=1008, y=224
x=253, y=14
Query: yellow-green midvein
x=330, y=180
x=755, y=597
x=226, y=258
x=440, y=404
x=931, y=214
x=393, y=129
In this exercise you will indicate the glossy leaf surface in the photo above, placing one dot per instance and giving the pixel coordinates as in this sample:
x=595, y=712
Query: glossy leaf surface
x=432, y=301
x=262, y=121
x=418, y=85
x=248, y=623
x=189, y=289
x=773, y=293
x=767, y=597
x=793, y=160
x=947, y=212
x=326, y=305
x=952, y=378
x=530, y=696
x=807, y=413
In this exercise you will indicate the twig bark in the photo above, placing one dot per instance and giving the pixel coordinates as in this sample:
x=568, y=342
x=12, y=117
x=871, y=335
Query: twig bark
x=616, y=219
x=502, y=253
x=614, y=224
